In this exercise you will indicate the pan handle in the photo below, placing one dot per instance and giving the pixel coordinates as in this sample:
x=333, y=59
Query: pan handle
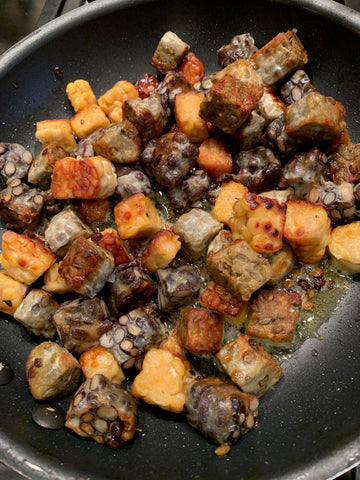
x=54, y=8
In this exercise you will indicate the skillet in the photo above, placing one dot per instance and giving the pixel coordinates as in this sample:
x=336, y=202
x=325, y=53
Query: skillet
x=310, y=423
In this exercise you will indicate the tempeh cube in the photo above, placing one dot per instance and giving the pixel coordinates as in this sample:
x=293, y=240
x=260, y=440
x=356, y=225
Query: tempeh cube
x=147, y=114
x=131, y=287
x=200, y=330
x=35, y=313
x=250, y=132
x=177, y=286
x=239, y=268
x=260, y=220
x=56, y=131
x=160, y=251
x=282, y=262
x=52, y=372
x=25, y=257
x=187, y=116
x=240, y=46
x=15, y=161
x=192, y=68
x=120, y=142
x=86, y=267
x=94, y=210
x=169, y=52
x=218, y=298
x=80, y=94
x=90, y=177
x=307, y=230
x=315, y=118
x=81, y=322
x=109, y=240
x=161, y=380
x=112, y=101
x=12, y=292
x=196, y=229
x=172, y=85
x=222, y=239
x=251, y=367
x=345, y=163
x=229, y=194
x=100, y=360
x=279, y=57
x=21, y=205
x=270, y=106
x=297, y=87
x=54, y=282
x=42, y=167
x=62, y=230
x=133, y=182
x=273, y=316
x=88, y=120
x=146, y=85
x=137, y=217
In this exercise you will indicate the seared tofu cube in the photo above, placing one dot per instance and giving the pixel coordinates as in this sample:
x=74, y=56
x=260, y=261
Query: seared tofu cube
x=261, y=221
x=214, y=157
x=251, y=367
x=62, y=230
x=345, y=163
x=120, y=142
x=239, y=268
x=307, y=230
x=137, y=217
x=112, y=101
x=54, y=282
x=86, y=178
x=56, y=131
x=241, y=46
x=196, y=229
x=344, y=247
x=187, y=116
x=282, y=262
x=161, y=381
x=177, y=286
x=200, y=330
x=315, y=118
x=221, y=300
x=41, y=169
x=25, y=257
x=131, y=286
x=87, y=120
x=270, y=106
x=192, y=68
x=147, y=114
x=279, y=57
x=35, y=313
x=86, y=267
x=21, y=205
x=273, y=316
x=80, y=94
x=297, y=87
x=229, y=194
x=81, y=322
x=51, y=371
x=99, y=360
x=110, y=241
x=169, y=52
x=12, y=293
x=160, y=251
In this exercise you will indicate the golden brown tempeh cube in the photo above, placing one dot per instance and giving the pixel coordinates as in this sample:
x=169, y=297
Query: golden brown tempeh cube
x=56, y=131
x=229, y=194
x=239, y=269
x=25, y=257
x=315, y=118
x=161, y=380
x=200, y=330
x=90, y=177
x=86, y=267
x=12, y=293
x=137, y=217
x=100, y=360
x=250, y=366
x=161, y=250
x=187, y=115
x=52, y=372
x=112, y=100
x=169, y=52
x=41, y=169
x=345, y=163
x=87, y=120
x=109, y=239
x=274, y=316
x=279, y=57
x=218, y=298
x=80, y=94
x=35, y=313
x=307, y=230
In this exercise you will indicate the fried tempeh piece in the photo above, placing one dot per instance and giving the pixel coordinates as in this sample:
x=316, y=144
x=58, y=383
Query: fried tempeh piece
x=25, y=257
x=169, y=52
x=90, y=177
x=42, y=167
x=109, y=239
x=218, y=298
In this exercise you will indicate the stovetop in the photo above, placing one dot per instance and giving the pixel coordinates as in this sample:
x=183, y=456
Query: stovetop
x=21, y=17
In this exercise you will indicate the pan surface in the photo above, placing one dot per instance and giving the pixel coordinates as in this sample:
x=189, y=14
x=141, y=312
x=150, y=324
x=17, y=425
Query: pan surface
x=310, y=422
